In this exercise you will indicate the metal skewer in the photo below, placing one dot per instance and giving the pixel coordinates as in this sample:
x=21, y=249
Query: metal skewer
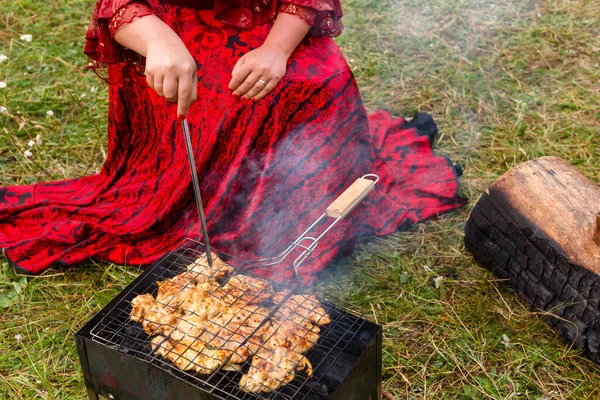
x=190, y=154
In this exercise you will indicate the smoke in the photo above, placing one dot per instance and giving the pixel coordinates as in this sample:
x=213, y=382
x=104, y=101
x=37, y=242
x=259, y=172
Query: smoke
x=278, y=192
x=287, y=166
x=460, y=26
x=451, y=41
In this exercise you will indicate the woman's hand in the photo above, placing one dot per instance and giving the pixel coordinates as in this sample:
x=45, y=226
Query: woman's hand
x=170, y=68
x=258, y=72
x=171, y=72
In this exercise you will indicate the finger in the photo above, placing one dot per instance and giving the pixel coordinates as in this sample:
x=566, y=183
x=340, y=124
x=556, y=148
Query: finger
x=267, y=89
x=195, y=88
x=239, y=75
x=248, y=83
x=257, y=88
x=150, y=79
x=238, y=65
x=170, y=87
x=158, y=84
x=184, y=95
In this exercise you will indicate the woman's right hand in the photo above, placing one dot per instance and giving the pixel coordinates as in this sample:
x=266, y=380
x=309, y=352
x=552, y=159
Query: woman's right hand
x=170, y=68
x=171, y=72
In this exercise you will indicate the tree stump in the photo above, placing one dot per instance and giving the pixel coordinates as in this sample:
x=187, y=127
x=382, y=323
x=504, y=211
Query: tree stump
x=538, y=227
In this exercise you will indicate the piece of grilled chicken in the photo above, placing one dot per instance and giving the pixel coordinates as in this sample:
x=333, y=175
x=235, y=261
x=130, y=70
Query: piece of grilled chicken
x=271, y=370
x=302, y=306
x=244, y=289
x=224, y=336
x=294, y=330
x=154, y=317
x=220, y=269
x=196, y=357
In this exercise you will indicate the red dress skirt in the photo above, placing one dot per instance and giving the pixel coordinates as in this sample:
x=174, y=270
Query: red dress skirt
x=267, y=170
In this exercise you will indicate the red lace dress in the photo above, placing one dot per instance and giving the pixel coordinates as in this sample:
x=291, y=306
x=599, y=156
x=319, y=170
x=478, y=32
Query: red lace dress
x=267, y=169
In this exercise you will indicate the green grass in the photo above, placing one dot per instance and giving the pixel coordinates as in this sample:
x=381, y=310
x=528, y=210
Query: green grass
x=506, y=80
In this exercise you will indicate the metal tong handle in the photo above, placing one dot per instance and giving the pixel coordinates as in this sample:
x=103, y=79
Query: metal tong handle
x=336, y=211
x=197, y=195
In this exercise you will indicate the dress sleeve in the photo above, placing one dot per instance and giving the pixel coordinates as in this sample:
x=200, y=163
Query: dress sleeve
x=107, y=18
x=126, y=15
x=325, y=16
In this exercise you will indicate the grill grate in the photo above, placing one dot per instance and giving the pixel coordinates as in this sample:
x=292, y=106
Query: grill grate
x=335, y=340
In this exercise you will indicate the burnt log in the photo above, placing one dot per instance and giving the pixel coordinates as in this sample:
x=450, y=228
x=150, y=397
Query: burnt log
x=538, y=227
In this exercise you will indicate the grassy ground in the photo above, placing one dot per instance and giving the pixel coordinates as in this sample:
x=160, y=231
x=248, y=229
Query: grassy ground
x=507, y=81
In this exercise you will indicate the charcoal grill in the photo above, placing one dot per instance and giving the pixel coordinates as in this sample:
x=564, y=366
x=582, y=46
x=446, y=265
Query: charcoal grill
x=118, y=361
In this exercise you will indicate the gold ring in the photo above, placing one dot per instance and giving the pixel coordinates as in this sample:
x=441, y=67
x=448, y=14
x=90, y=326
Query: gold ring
x=263, y=82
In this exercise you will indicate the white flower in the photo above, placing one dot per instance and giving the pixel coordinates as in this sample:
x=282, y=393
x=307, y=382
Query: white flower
x=26, y=38
x=29, y=68
x=3, y=58
x=82, y=95
x=49, y=113
x=505, y=340
x=93, y=89
x=3, y=110
x=38, y=139
x=19, y=337
x=31, y=143
x=2, y=85
x=27, y=154
x=438, y=281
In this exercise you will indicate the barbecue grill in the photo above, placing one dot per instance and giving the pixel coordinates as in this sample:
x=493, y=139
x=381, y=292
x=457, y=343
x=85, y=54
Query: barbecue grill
x=200, y=324
x=118, y=362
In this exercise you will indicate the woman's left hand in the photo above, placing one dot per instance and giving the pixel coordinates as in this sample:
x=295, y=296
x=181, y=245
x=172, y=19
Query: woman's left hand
x=258, y=72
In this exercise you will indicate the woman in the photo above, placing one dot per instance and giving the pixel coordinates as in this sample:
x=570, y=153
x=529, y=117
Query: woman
x=278, y=128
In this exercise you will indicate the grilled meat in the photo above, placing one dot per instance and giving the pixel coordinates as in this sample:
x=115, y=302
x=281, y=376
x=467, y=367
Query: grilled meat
x=154, y=317
x=242, y=289
x=204, y=305
x=219, y=270
x=272, y=369
x=173, y=292
x=188, y=357
x=200, y=325
x=288, y=334
x=223, y=335
x=294, y=331
x=303, y=306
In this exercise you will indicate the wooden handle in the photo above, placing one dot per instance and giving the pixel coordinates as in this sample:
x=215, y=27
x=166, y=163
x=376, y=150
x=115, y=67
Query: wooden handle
x=345, y=202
